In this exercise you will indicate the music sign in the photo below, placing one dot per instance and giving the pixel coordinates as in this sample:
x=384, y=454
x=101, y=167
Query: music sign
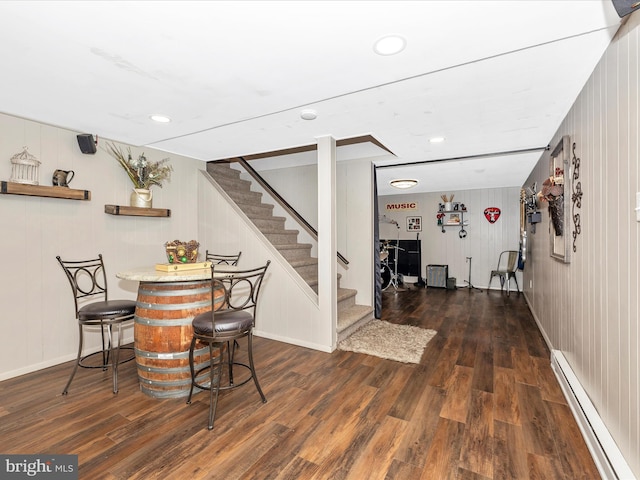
x=396, y=207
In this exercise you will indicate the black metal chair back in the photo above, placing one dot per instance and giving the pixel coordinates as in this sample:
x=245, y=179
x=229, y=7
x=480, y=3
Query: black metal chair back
x=86, y=277
x=235, y=290
x=218, y=259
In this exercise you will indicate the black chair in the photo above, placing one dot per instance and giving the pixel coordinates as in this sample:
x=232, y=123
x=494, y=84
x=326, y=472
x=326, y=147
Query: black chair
x=236, y=292
x=222, y=259
x=506, y=270
x=88, y=279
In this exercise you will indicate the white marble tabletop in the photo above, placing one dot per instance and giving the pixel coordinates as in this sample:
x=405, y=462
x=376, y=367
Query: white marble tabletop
x=150, y=274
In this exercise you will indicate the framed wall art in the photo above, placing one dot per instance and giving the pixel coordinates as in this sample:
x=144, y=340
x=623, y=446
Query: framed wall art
x=414, y=224
x=556, y=190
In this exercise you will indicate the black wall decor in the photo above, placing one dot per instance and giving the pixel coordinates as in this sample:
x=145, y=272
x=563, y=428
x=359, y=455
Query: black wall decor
x=576, y=196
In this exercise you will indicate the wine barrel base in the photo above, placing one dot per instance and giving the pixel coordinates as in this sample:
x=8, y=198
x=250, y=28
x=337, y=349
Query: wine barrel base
x=163, y=377
x=163, y=333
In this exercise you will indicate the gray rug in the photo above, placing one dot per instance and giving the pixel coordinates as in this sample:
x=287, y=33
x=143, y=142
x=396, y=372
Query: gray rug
x=402, y=343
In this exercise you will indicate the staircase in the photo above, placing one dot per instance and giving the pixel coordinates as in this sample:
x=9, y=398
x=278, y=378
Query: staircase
x=350, y=315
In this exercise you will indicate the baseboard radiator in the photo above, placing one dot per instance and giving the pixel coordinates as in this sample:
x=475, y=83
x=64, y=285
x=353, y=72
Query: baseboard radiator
x=606, y=454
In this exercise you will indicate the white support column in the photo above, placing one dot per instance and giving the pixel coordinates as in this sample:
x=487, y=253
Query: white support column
x=327, y=263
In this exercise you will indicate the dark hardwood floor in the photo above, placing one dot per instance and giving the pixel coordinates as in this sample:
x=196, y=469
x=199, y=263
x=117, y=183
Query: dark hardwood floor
x=482, y=404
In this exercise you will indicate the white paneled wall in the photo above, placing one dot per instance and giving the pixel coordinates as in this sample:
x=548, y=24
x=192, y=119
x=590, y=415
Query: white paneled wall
x=589, y=309
x=484, y=240
x=37, y=325
x=354, y=185
x=286, y=313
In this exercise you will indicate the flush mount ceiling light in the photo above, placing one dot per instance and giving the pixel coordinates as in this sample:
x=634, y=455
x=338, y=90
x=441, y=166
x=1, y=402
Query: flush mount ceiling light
x=389, y=45
x=308, y=114
x=160, y=118
x=403, y=183
x=436, y=140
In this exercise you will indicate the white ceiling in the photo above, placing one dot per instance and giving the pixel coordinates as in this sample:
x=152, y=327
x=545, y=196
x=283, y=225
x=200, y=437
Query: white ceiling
x=489, y=76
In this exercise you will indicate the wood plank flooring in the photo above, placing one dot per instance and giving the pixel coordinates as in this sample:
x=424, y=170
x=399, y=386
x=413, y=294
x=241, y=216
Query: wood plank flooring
x=482, y=404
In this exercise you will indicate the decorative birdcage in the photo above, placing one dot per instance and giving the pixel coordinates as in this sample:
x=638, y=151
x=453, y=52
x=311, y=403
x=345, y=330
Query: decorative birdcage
x=24, y=168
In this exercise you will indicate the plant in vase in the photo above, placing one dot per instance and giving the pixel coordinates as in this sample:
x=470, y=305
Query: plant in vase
x=143, y=174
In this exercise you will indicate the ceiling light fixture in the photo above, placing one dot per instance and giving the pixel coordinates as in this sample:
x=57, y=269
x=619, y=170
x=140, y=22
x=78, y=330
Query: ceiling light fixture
x=436, y=140
x=308, y=114
x=403, y=183
x=389, y=45
x=160, y=118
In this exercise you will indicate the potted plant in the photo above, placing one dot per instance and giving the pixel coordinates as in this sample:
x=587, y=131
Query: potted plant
x=143, y=174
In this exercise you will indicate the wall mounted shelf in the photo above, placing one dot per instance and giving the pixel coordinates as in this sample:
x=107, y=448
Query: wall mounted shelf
x=12, y=188
x=136, y=211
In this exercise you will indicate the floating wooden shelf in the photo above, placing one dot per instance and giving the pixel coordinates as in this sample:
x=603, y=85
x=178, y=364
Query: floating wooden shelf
x=136, y=211
x=12, y=188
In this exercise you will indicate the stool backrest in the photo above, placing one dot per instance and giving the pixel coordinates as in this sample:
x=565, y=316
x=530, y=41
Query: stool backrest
x=508, y=261
x=86, y=277
x=236, y=289
x=218, y=259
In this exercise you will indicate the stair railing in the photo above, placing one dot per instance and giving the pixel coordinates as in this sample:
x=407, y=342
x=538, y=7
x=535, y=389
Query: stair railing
x=292, y=211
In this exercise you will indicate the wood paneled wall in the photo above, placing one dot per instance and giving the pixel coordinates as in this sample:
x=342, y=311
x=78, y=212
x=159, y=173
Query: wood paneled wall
x=37, y=324
x=590, y=307
x=484, y=240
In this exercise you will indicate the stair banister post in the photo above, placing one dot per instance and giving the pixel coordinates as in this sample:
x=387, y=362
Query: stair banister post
x=327, y=266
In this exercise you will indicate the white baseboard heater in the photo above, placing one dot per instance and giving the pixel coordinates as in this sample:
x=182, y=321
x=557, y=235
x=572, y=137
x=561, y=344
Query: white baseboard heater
x=606, y=454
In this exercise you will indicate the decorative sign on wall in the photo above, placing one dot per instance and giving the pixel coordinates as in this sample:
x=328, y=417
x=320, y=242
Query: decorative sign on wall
x=492, y=214
x=391, y=207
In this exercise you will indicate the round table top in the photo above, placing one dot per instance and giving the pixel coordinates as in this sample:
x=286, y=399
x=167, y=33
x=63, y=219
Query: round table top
x=150, y=274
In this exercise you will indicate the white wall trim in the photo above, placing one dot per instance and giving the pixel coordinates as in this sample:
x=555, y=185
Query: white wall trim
x=606, y=454
x=52, y=362
x=547, y=340
x=292, y=341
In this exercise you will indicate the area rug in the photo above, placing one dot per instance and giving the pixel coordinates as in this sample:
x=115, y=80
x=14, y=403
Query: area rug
x=402, y=343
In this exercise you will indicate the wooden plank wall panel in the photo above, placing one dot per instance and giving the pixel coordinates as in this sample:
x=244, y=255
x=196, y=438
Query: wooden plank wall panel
x=286, y=313
x=589, y=308
x=483, y=243
x=37, y=300
x=634, y=247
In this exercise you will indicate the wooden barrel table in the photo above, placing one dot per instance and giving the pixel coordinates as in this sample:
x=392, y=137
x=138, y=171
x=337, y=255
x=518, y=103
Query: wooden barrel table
x=163, y=332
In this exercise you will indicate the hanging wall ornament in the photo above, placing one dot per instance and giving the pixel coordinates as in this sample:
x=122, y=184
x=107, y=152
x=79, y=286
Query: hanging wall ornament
x=576, y=196
x=492, y=214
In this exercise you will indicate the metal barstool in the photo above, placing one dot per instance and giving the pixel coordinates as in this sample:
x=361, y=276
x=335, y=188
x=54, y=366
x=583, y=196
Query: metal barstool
x=237, y=292
x=88, y=279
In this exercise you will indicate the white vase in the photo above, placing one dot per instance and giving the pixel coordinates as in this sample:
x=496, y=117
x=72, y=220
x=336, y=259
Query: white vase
x=141, y=197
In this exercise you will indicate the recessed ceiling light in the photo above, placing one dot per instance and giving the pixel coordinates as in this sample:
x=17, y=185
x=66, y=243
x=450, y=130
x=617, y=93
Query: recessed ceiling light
x=436, y=139
x=403, y=183
x=389, y=45
x=160, y=118
x=308, y=114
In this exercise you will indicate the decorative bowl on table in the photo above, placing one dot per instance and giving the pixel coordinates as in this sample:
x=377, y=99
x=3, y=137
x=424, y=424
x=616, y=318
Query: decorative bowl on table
x=182, y=252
